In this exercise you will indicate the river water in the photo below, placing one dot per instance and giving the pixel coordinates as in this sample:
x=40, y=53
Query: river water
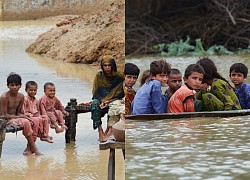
x=191, y=148
x=81, y=159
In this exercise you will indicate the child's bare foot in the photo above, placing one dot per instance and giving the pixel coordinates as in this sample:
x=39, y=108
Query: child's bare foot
x=65, y=127
x=46, y=135
x=103, y=138
x=27, y=151
x=47, y=139
x=36, y=152
x=59, y=129
x=53, y=126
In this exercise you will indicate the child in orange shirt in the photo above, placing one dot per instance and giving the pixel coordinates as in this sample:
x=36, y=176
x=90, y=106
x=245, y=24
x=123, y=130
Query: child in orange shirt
x=183, y=99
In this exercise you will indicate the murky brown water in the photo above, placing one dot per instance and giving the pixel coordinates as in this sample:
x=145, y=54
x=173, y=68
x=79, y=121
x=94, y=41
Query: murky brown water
x=78, y=160
x=188, y=149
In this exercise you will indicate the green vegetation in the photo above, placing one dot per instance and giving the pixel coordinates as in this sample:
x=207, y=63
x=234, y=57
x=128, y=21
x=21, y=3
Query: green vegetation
x=183, y=48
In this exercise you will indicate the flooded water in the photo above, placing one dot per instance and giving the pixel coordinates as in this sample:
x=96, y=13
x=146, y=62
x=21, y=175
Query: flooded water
x=78, y=160
x=192, y=148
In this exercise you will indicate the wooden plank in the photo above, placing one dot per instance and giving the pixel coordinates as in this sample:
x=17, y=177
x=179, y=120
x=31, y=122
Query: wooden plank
x=13, y=128
x=111, y=165
x=189, y=115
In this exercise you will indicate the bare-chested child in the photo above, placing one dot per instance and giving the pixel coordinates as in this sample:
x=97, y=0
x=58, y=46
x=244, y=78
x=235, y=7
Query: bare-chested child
x=52, y=107
x=31, y=109
x=11, y=108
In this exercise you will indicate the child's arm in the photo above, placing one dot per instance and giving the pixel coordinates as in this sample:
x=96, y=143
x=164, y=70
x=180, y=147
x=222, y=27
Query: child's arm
x=175, y=105
x=222, y=95
x=247, y=96
x=42, y=107
x=4, y=107
x=58, y=105
x=24, y=109
x=157, y=101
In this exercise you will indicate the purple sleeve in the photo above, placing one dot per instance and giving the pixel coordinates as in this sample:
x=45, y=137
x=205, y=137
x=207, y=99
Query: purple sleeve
x=247, y=96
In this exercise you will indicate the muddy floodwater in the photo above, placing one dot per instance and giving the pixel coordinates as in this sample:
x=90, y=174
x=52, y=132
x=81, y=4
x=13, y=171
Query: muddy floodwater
x=81, y=159
x=191, y=148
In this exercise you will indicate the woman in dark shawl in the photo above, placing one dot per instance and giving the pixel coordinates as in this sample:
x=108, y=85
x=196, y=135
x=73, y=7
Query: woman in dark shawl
x=107, y=86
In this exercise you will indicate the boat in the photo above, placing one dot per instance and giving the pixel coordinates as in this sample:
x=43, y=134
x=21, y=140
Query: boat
x=230, y=113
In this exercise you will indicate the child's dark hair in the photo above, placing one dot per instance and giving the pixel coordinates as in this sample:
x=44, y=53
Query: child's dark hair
x=14, y=78
x=109, y=59
x=193, y=68
x=210, y=70
x=175, y=71
x=145, y=75
x=47, y=84
x=131, y=69
x=30, y=83
x=239, y=68
x=159, y=67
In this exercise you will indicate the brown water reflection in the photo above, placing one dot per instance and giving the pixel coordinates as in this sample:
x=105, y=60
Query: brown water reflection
x=78, y=160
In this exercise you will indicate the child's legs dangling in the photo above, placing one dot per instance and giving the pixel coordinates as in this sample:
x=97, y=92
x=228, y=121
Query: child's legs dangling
x=52, y=120
x=59, y=117
x=27, y=132
x=45, y=130
x=36, y=127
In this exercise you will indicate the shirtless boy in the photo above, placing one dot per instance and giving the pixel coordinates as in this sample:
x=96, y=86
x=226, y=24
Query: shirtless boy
x=52, y=107
x=11, y=107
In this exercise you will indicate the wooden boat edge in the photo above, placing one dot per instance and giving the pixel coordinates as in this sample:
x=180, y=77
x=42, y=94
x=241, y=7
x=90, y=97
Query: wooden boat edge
x=230, y=113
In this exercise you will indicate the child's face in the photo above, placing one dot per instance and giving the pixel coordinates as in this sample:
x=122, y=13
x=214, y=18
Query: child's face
x=237, y=78
x=194, y=80
x=31, y=91
x=174, y=81
x=107, y=68
x=14, y=88
x=50, y=91
x=130, y=80
x=163, y=78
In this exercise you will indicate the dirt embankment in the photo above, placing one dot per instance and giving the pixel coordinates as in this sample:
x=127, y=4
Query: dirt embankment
x=83, y=39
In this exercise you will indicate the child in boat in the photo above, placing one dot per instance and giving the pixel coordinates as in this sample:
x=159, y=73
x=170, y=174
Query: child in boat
x=146, y=76
x=11, y=109
x=131, y=73
x=238, y=74
x=52, y=108
x=183, y=100
x=220, y=95
x=149, y=98
x=31, y=109
x=107, y=87
x=174, y=82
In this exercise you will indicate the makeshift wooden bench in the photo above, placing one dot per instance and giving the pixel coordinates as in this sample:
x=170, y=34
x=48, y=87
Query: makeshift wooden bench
x=70, y=122
x=112, y=145
x=6, y=129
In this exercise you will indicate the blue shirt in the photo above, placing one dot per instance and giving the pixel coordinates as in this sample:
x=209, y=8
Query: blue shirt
x=149, y=99
x=243, y=94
